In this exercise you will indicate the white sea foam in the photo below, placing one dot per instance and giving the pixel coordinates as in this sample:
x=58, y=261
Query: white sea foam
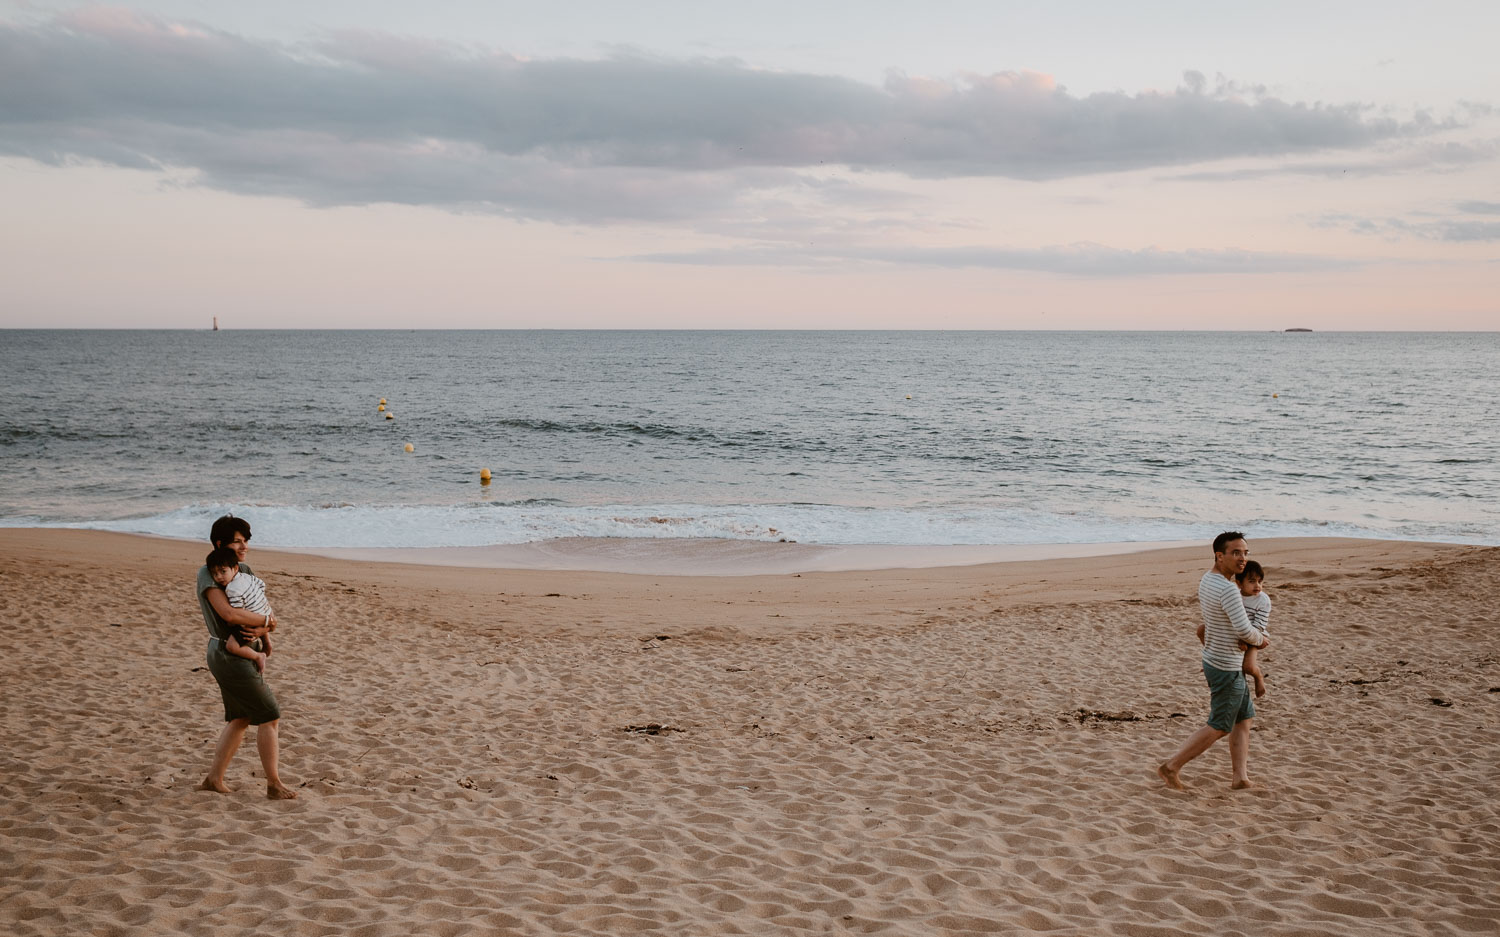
x=493, y=524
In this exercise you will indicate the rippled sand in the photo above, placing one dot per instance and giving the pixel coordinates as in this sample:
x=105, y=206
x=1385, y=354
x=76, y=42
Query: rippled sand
x=940, y=751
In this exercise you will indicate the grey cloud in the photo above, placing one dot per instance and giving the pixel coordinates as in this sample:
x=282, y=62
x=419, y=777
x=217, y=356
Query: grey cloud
x=322, y=170
x=1401, y=157
x=1080, y=260
x=1451, y=230
x=358, y=118
x=1427, y=225
x=1471, y=231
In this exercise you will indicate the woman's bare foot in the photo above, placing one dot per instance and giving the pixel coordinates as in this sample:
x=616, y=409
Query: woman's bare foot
x=1244, y=785
x=1170, y=777
x=280, y=792
x=218, y=787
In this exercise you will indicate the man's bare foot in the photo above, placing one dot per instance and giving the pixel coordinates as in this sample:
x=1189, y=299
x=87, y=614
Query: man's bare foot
x=280, y=792
x=1241, y=785
x=218, y=787
x=1170, y=777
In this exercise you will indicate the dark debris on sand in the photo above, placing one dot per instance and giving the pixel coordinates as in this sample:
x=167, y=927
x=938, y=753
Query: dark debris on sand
x=651, y=728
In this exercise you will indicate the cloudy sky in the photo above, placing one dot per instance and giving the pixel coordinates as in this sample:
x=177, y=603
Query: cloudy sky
x=751, y=165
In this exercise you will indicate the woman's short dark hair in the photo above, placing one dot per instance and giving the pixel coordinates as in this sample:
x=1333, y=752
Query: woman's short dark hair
x=1252, y=568
x=226, y=527
x=222, y=558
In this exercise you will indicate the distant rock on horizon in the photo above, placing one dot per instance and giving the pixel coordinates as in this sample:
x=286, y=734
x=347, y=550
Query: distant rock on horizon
x=1296, y=330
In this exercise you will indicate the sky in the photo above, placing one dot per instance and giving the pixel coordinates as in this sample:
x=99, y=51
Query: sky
x=692, y=164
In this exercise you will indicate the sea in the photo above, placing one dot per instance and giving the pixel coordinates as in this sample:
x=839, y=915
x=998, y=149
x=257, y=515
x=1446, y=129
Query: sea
x=898, y=438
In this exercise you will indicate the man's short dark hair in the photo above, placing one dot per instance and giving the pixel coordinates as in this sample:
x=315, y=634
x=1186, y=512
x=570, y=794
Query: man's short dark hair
x=1219, y=541
x=222, y=558
x=1252, y=569
x=226, y=527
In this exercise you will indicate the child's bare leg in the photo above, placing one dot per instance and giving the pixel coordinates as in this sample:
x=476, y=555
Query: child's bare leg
x=234, y=647
x=1252, y=668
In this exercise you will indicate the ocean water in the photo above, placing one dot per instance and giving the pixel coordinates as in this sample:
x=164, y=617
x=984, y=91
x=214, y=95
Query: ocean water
x=818, y=437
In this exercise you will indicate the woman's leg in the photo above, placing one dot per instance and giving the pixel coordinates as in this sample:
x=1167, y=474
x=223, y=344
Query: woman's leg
x=229, y=743
x=266, y=743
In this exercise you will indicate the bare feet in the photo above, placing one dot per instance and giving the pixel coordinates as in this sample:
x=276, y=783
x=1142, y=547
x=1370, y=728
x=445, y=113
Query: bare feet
x=280, y=792
x=1241, y=785
x=1170, y=777
x=1260, y=687
x=218, y=787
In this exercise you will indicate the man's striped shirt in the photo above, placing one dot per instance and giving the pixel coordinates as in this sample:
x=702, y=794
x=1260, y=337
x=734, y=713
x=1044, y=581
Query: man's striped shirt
x=1225, y=623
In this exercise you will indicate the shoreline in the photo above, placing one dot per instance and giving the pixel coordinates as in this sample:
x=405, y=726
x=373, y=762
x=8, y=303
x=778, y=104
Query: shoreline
x=710, y=557
x=718, y=557
x=609, y=597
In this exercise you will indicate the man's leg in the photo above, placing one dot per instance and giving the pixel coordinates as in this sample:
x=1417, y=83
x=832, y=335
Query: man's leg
x=266, y=743
x=1239, y=754
x=229, y=743
x=1196, y=744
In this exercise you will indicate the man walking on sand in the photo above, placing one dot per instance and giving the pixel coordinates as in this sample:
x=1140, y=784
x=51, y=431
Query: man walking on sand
x=1227, y=630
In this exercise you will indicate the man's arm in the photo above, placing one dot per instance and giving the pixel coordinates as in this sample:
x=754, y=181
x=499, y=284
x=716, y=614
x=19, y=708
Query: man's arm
x=1234, y=607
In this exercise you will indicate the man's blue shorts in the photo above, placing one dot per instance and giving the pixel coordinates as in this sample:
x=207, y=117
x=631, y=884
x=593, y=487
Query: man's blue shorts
x=1231, y=698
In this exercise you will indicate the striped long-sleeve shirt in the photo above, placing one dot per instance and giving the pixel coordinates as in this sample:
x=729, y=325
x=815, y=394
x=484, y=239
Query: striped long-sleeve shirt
x=1258, y=610
x=1225, y=623
x=248, y=592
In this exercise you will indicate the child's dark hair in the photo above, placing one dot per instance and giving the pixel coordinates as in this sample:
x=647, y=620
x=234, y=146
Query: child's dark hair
x=222, y=558
x=1252, y=568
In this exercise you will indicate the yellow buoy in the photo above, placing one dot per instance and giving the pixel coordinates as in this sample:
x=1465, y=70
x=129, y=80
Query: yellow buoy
x=381, y=408
x=1275, y=395
x=908, y=396
x=382, y=401
x=410, y=448
x=389, y=415
x=484, y=476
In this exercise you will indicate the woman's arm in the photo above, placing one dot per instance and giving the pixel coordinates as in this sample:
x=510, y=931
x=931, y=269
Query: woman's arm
x=252, y=624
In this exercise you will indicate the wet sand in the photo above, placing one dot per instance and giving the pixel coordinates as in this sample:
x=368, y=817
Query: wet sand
x=693, y=557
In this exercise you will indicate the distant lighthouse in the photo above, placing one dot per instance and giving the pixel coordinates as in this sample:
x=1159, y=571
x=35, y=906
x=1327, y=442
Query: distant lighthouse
x=216, y=323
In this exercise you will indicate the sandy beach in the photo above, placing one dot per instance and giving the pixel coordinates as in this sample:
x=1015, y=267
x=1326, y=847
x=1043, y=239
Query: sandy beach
x=948, y=750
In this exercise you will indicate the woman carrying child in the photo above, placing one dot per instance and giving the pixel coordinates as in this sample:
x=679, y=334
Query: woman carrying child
x=248, y=699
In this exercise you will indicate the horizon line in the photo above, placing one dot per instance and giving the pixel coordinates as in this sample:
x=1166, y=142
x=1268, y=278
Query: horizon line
x=1297, y=330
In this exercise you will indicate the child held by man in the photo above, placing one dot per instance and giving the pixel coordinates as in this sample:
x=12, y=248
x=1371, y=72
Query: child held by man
x=1258, y=610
